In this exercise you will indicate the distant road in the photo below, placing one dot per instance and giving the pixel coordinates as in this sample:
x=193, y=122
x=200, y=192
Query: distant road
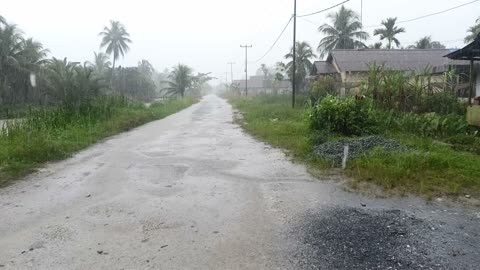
x=193, y=191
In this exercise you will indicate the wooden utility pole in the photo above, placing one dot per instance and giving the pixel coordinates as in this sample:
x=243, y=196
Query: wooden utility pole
x=246, y=66
x=294, y=66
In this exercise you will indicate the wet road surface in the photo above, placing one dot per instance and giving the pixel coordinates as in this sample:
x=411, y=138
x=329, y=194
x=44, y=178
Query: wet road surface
x=193, y=191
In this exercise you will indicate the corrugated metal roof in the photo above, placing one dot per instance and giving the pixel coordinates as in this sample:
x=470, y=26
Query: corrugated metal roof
x=402, y=60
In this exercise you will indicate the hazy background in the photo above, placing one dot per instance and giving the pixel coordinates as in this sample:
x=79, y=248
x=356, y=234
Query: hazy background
x=207, y=34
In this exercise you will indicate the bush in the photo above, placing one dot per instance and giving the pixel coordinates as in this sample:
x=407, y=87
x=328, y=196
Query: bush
x=443, y=103
x=343, y=116
x=322, y=88
x=426, y=124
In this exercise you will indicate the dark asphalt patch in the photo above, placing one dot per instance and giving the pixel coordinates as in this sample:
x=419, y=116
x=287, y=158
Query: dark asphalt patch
x=354, y=238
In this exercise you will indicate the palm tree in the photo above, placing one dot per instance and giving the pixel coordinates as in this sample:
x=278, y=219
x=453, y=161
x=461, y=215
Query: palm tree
x=100, y=62
x=427, y=43
x=389, y=32
x=181, y=79
x=344, y=33
x=116, y=39
x=473, y=31
x=304, y=54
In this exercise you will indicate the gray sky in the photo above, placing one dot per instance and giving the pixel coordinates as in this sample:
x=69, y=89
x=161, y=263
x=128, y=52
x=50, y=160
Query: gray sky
x=206, y=34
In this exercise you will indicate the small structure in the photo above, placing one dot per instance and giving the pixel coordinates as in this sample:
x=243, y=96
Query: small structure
x=350, y=67
x=471, y=52
x=261, y=85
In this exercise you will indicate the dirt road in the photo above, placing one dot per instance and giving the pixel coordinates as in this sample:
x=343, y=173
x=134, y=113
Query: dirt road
x=192, y=191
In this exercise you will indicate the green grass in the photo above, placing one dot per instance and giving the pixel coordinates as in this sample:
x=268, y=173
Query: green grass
x=428, y=168
x=56, y=134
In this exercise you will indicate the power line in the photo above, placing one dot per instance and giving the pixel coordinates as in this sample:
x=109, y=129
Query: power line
x=323, y=10
x=428, y=15
x=274, y=43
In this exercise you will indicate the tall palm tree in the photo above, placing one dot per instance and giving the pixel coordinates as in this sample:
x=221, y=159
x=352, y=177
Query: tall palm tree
x=389, y=32
x=427, y=43
x=304, y=55
x=473, y=31
x=116, y=39
x=344, y=33
x=181, y=79
x=100, y=62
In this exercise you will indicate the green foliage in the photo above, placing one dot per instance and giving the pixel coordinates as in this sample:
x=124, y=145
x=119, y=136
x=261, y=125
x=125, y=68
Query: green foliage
x=428, y=168
x=426, y=124
x=303, y=65
x=71, y=84
x=343, y=116
x=130, y=81
x=345, y=32
x=321, y=88
x=116, y=39
x=410, y=92
x=389, y=32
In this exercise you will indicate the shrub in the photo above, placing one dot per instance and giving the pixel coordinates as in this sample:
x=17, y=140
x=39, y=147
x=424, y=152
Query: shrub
x=346, y=116
x=322, y=88
x=443, y=103
x=426, y=124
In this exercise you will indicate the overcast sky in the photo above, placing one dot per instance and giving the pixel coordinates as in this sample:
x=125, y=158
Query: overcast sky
x=206, y=34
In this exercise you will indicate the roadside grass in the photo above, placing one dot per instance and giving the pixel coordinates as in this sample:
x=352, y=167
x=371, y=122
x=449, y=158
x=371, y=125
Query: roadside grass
x=53, y=135
x=428, y=168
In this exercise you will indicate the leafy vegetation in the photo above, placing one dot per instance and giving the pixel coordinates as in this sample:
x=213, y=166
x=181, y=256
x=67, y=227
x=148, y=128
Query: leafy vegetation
x=345, y=32
x=304, y=55
x=389, y=32
x=473, y=31
x=429, y=168
x=342, y=116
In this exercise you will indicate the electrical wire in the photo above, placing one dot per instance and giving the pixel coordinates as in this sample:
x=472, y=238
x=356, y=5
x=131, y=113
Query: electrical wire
x=323, y=10
x=274, y=43
x=428, y=15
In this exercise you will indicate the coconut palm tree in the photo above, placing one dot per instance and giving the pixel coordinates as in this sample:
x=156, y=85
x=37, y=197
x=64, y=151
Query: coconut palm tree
x=100, y=62
x=473, y=31
x=344, y=33
x=181, y=79
x=116, y=39
x=427, y=43
x=304, y=55
x=389, y=32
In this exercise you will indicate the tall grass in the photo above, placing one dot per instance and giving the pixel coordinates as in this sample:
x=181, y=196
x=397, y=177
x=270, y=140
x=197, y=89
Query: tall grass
x=55, y=133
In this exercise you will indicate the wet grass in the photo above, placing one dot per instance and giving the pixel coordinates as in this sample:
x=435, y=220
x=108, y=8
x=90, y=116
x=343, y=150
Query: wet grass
x=56, y=134
x=429, y=168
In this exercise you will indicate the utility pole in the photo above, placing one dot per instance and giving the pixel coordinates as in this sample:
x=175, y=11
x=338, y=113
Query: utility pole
x=246, y=66
x=361, y=11
x=231, y=70
x=294, y=66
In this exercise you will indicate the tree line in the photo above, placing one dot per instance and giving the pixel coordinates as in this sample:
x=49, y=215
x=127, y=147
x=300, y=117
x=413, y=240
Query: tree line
x=29, y=77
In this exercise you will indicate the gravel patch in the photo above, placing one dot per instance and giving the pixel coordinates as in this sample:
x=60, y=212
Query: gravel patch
x=355, y=238
x=333, y=151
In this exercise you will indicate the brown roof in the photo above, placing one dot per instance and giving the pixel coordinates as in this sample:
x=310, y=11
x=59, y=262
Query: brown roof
x=402, y=60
